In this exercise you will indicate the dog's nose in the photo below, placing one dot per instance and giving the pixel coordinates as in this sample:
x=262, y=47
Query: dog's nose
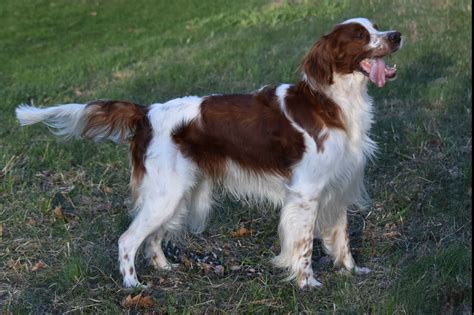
x=395, y=37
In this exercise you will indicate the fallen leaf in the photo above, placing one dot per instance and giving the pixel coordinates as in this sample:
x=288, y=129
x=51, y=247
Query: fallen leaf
x=161, y=280
x=138, y=300
x=93, y=13
x=31, y=222
x=38, y=266
x=108, y=189
x=434, y=142
x=392, y=234
x=241, y=232
x=206, y=268
x=219, y=270
x=390, y=226
x=58, y=212
x=186, y=262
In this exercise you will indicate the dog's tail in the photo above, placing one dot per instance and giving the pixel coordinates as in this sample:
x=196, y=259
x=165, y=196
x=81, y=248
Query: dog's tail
x=98, y=120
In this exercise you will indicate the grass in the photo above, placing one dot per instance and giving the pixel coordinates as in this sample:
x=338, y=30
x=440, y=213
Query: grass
x=416, y=235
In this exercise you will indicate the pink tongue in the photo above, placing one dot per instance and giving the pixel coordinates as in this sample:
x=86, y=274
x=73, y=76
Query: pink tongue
x=377, y=72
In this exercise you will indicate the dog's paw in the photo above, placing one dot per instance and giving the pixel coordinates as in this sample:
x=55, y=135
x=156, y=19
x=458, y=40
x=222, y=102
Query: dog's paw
x=168, y=267
x=354, y=271
x=132, y=282
x=309, y=283
x=162, y=265
x=361, y=270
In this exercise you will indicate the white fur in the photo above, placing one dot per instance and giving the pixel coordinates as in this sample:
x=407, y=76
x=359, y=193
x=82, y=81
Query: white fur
x=65, y=119
x=249, y=186
x=376, y=36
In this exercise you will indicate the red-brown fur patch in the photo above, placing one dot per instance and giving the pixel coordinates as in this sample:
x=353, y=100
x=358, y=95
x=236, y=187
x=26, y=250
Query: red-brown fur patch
x=313, y=111
x=106, y=118
x=249, y=129
x=340, y=51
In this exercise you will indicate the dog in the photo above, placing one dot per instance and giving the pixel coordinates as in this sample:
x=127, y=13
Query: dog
x=303, y=147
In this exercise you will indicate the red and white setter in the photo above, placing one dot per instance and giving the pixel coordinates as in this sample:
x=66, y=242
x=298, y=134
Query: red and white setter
x=301, y=146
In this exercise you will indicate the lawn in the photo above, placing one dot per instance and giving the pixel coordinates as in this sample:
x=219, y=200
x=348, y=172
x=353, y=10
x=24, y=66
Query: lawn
x=64, y=204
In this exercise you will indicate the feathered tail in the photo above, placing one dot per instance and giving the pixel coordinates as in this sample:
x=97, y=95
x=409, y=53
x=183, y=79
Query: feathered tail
x=98, y=120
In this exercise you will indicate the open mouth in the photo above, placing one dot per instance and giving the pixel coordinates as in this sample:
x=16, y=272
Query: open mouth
x=377, y=71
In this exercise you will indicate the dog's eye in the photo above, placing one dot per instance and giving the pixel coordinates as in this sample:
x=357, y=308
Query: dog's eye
x=359, y=36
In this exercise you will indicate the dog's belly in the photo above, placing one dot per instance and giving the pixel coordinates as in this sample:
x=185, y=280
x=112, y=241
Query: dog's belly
x=251, y=186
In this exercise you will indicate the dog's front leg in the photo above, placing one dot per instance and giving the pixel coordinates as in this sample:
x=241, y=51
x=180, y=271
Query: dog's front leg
x=296, y=227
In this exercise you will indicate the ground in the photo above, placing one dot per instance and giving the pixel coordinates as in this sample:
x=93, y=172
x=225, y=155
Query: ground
x=64, y=204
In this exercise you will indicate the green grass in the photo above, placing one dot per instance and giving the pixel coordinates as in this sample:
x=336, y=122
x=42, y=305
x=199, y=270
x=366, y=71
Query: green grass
x=416, y=235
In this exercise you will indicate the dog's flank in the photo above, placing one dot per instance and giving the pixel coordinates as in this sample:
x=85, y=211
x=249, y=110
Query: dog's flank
x=248, y=129
x=303, y=147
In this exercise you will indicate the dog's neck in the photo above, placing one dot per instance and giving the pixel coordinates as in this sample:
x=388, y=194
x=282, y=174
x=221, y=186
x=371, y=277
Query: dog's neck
x=348, y=84
x=349, y=92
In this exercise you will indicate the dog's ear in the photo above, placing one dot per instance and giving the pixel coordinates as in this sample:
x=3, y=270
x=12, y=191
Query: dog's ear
x=317, y=65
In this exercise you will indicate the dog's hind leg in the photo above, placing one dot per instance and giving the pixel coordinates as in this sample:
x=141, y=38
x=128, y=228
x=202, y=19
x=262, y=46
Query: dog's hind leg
x=153, y=248
x=193, y=211
x=162, y=191
x=154, y=213
x=154, y=252
x=200, y=206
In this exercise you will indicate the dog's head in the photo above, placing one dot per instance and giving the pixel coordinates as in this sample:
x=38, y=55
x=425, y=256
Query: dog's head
x=356, y=45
